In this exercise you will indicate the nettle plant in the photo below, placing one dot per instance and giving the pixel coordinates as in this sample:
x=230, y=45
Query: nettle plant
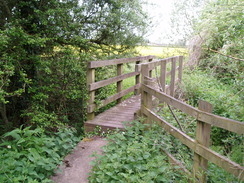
x=28, y=155
x=134, y=155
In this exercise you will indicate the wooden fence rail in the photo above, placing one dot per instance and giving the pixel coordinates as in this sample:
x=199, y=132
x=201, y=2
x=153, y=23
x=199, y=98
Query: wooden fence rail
x=94, y=85
x=200, y=145
x=168, y=73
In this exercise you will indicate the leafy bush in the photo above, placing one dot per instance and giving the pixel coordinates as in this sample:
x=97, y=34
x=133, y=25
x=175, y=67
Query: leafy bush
x=220, y=31
x=44, y=53
x=31, y=156
x=134, y=156
x=226, y=101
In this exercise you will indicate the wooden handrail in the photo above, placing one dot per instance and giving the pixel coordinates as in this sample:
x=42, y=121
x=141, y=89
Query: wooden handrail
x=215, y=120
x=93, y=85
x=99, y=84
x=102, y=63
x=205, y=152
x=203, y=114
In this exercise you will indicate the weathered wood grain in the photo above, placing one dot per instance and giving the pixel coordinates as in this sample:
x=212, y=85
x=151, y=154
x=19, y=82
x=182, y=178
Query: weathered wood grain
x=205, y=152
x=112, y=98
x=113, y=117
x=102, y=63
x=99, y=84
x=180, y=70
x=119, y=83
x=203, y=130
x=91, y=94
x=172, y=80
x=225, y=123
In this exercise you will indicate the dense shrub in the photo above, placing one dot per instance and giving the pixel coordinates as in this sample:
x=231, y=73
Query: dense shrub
x=220, y=31
x=226, y=101
x=28, y=155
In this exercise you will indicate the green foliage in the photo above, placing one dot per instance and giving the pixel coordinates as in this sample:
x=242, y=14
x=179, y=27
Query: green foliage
x=134, y=156
x=225, y=99
x=44, y=49
x=221, y=29
x=31, y=156
x=218, y=175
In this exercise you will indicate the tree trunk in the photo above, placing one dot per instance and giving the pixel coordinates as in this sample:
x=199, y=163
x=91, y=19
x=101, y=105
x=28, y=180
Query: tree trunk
x=3, y=113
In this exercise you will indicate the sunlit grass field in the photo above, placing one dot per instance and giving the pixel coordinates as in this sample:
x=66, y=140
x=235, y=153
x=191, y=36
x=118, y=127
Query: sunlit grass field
x=161, y=51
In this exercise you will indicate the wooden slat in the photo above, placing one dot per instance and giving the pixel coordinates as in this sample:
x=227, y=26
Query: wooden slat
x=101, y=63
x=171, y=101
x=153, y=64
x=114, y=97
x=91, y=94
x=118, y=95
x=137, y=78
x=99, y=84
x=208, y=154
x=93, y=107
x=169, y=128
x=163, y=76
x=172, y=80
x=146, y=97
x=108, y=123
x=225, y=123
x=113, y=117
x=180, y=68
x=120, y=82
x=203, y=130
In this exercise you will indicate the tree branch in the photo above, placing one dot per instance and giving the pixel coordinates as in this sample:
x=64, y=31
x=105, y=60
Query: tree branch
x=229, y=56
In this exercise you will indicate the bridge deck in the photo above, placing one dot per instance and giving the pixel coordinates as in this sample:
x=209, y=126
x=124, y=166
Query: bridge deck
x=113, y=117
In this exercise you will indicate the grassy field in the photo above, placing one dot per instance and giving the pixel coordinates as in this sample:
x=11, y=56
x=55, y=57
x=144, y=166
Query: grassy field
x=161, y=52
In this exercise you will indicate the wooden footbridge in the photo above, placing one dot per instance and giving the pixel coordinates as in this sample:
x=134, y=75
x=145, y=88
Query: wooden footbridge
x=126, y=110
x=157, y=79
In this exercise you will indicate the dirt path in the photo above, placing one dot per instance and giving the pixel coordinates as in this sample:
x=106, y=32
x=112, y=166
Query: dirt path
x=76, y=165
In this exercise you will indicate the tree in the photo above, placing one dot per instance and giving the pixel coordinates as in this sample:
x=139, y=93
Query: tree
x=44, y=46
x=220, y=36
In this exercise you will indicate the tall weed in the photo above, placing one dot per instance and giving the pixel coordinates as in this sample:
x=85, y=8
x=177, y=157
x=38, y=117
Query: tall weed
x=134, y=156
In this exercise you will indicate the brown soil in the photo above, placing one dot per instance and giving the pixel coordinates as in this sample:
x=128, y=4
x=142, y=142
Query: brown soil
x=76, y=166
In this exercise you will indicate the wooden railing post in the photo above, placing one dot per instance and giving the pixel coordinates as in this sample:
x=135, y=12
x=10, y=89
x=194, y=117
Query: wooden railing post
x=146, y=98
x=137, y=79
x=163, y=76
x=119, y=83
x=180, y=68
x=150, y=72
x=172, y=80
x=91, y=94
x=202, y=137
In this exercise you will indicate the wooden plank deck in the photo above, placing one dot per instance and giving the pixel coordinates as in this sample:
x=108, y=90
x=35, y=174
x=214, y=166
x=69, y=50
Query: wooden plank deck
x=113, y=117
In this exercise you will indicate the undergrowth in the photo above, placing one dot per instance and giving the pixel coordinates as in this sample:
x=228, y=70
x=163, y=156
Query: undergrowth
x=226, y=100
x=31, y=156
x=135, y=155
